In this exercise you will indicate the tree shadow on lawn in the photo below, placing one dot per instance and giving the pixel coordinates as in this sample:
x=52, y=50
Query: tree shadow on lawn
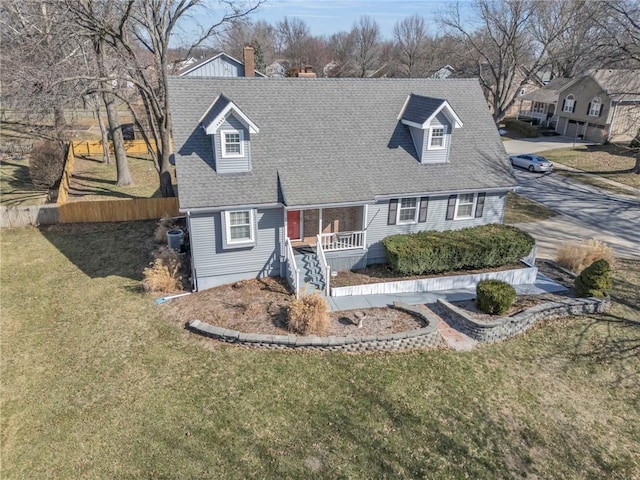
x=104, y=249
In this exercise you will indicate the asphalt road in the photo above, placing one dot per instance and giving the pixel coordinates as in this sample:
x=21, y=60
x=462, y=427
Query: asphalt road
x=586, y=212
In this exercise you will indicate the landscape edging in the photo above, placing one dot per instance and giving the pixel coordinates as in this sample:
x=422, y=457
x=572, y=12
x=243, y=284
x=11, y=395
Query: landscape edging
x=425, y=337
x=506, y=327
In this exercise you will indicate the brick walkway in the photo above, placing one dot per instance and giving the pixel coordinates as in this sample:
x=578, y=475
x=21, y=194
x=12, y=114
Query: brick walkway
x=455, y=339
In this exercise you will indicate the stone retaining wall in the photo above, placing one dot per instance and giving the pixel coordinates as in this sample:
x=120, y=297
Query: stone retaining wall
x=518, y=276
x=426, y=337
x=505, y=327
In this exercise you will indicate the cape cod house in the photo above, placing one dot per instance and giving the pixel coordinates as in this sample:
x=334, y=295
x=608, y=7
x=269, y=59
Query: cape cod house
x=297, y=177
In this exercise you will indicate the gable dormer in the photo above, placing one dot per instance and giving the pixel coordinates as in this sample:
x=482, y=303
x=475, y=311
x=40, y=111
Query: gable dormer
x=431, y=122
x=230, y=130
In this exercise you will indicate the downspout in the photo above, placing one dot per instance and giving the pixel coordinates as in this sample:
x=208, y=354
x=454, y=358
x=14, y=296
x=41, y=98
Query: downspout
x=613, y=118
x=194, y=278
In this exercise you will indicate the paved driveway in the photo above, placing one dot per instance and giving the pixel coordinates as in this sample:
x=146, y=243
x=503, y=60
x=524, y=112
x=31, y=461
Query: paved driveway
x=586, y=212
x=540, y=144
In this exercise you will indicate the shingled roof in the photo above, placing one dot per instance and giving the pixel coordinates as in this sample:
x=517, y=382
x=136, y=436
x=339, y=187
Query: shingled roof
x=327, y=141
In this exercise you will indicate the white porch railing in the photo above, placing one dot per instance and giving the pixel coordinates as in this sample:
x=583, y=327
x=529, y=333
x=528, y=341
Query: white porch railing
x=342, y=240
x=531, y=114
x=293, y=276
x=324, y=266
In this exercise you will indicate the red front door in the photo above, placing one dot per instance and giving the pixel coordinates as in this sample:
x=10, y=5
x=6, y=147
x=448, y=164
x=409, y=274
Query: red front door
x=293, y=224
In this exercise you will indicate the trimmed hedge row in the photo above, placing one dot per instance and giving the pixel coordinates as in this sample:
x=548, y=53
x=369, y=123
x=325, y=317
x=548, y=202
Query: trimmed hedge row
x=523, y=128
x=485, y=246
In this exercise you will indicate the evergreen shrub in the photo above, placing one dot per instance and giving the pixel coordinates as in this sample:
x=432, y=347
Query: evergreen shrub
x=472, y=248
x=595, y=280
x=494, y=296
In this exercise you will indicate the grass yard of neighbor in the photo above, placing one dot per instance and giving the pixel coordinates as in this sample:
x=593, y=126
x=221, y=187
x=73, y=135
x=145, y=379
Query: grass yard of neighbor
x=95, y=180
x=608, y=161
x=96, y=383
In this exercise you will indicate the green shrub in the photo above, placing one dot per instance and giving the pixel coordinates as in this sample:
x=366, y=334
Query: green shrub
x=494, y=296
x=595, y=280
x=47, y=163
x=522, y=128
x=471, y=248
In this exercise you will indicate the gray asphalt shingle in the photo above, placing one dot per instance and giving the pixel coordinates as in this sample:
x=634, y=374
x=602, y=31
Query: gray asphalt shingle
x=331, y=141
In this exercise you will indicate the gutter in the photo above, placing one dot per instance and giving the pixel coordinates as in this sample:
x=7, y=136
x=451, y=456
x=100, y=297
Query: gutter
x=189, y=211
x=511, y=188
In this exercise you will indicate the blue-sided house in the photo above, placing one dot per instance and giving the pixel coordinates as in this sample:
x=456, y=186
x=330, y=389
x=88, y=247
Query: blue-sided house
x=299, y=177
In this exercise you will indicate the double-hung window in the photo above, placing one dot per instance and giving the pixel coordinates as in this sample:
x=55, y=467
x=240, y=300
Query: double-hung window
x=407, y=211
x=239, y=227
x=436, y=138
x=465, y=206
x=569, y=104
x=232, y=145
x=595, y=107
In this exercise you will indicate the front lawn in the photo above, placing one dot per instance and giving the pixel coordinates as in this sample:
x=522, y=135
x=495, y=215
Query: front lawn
x=97, y=384
x=609, y=161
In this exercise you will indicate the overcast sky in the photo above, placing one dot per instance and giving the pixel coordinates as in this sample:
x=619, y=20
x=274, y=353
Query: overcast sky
x=325, y=17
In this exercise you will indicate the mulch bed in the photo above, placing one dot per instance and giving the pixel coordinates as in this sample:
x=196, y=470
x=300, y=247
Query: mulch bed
x=259, y=306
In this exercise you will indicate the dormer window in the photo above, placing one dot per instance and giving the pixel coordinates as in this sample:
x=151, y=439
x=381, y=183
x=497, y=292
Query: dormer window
x=232, y=143
x=595, y=107
x=431, y=122
x=569, y=104
x=436, y=138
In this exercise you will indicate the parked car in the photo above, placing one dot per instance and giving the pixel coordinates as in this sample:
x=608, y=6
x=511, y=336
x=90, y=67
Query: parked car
x=533, y=163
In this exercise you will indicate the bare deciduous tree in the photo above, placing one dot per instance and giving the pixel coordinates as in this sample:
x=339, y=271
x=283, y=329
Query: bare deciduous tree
x=366, y=40
x=503, y=40
x=38, y=48
x=411, y=38
x=294, y=39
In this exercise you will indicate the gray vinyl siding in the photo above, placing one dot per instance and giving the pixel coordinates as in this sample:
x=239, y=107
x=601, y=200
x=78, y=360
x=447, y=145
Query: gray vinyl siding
x=233, y=164
x=418, y=136
x=218, y=67
x=213, y=265
x=378, y=229
x=437, y=156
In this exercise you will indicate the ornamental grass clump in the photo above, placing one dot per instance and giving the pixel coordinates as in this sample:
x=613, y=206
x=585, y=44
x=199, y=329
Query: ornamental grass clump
x=494, y=297
x=163, y=275
x=308, y=315
x=595, y=280
x=577, y=255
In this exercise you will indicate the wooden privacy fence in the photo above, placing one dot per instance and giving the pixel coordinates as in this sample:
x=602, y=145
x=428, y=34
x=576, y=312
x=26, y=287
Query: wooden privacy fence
x=65, y=182
x=117, y=210
x=108, y=210
x=94, y=147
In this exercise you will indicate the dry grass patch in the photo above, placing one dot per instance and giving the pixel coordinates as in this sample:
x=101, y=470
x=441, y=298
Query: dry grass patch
x=576, y=256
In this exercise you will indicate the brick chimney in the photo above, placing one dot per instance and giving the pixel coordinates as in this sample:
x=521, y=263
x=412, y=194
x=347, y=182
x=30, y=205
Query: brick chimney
x=248, y=57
